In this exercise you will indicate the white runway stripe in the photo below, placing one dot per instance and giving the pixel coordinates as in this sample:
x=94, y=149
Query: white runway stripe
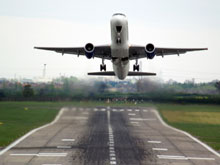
x=68, y=140
x=64, y=147
x=182, y=157
x=134, y=122
x=43, y=154
x=142, y=119
x=156, y=142
x=51, y=164
x=159, y=149
x=131, y=114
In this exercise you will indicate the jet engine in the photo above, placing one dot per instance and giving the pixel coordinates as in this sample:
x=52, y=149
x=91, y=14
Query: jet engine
x=89, y=50
x=150, y=51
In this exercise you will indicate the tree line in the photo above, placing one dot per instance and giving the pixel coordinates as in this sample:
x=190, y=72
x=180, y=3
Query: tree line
x=72, y=88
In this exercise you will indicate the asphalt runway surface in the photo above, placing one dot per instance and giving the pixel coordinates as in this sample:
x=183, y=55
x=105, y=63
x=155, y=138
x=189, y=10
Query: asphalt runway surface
x=107, y=136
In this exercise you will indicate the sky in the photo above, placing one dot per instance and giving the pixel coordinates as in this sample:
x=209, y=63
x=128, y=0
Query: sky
x=171, y=23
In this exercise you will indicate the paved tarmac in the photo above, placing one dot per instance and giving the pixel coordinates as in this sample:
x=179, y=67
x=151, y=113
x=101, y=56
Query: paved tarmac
x=107, y=136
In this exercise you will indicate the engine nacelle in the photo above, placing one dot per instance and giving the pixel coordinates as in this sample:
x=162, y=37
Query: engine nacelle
x=89, y=50
x=150, y=51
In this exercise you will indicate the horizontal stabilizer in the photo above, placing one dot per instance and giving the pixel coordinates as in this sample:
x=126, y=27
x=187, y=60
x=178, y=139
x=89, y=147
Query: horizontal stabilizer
x=129, y=74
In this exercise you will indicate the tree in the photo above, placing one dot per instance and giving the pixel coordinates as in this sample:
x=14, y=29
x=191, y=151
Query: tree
x=217, y=85
x=28, y=91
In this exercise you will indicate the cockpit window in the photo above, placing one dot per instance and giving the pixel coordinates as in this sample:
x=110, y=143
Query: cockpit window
x=119, y=14
x=118, y=28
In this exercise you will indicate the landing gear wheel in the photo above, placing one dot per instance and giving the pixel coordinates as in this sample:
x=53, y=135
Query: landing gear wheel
x=136, y=68
x=102, y=67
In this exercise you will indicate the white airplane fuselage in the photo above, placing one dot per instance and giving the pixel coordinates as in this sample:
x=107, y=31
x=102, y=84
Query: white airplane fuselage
x=120, y=45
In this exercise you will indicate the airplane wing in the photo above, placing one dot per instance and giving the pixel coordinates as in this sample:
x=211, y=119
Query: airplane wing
x=103, y=51
x=136, y=52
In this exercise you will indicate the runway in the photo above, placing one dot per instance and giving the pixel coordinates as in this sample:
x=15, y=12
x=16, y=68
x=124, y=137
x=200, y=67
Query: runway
x=108, y=136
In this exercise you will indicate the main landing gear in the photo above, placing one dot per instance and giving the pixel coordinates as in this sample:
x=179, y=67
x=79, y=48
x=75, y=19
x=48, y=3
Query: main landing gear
x=102, y=66
x=136, y=66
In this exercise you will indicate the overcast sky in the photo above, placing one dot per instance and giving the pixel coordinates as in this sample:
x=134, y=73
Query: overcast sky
x=165, y=23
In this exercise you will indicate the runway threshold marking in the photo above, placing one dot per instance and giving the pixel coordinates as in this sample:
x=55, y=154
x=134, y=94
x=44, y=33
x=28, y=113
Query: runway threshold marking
x=176, y=157
x=160, y=149
x=156, y=142
x=131, y=114
x=112, y=157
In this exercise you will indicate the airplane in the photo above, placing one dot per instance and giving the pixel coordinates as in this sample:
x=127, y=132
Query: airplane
x=120, y=52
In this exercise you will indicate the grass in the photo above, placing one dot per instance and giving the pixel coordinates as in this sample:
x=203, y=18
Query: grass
x=17, y=118
x=202, y=121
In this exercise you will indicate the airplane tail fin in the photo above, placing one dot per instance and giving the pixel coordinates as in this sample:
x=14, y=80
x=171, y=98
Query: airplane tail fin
x=110, y=73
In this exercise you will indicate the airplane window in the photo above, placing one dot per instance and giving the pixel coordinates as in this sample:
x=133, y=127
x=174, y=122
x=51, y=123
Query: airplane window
x=118, y=28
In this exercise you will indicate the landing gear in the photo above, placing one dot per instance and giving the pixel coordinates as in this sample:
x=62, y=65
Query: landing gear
x=102, y=66
x=136, y=66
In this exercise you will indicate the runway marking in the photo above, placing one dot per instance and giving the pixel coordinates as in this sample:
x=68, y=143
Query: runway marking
x=129, y=110
x=95, y=109
x=103, y=109
x=187, y=134
x=85, y=113
x=43, y=154
x=51, y=164
x=64, y=147
x=134, y=122
x=141, y=119
x=78, y=117
x=121, y=110
x=112, y=156
x=33, y=131
x=113, y=162
x=68, y=140
x=137, y=110
x=131, y=114
x=160, y=149
x=182, y=157
x=114, y=110
x=145, y=110
x=156, y=142
x=81, y=109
